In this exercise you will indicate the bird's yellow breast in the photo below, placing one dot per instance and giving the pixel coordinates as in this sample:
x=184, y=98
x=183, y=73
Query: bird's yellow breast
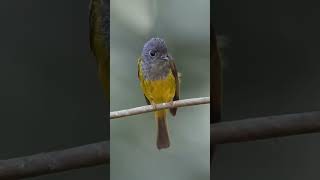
x=158, y=91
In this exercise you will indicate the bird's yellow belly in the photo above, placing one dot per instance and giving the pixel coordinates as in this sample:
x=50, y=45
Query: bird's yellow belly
x=159, y=91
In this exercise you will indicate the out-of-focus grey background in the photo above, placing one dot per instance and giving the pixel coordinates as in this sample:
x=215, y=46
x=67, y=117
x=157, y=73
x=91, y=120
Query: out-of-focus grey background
x=184, y=24
x=50, y=96
x=271, y=67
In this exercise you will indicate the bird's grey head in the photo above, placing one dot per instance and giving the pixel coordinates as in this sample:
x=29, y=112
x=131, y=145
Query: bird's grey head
x=155, y=50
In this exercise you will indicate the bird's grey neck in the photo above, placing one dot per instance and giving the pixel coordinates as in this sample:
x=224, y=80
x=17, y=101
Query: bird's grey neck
x=155, y=70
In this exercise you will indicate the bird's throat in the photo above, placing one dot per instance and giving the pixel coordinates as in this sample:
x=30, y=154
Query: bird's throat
x=155, y=70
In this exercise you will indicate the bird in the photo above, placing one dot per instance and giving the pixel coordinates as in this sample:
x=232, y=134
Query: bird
x=159, y=82
x=99, y=36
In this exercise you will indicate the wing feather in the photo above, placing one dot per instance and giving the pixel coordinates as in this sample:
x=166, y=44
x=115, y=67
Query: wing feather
x=141, y=79
x=174, y=71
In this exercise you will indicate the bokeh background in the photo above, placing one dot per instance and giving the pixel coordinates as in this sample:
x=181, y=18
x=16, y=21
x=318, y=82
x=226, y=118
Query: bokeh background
x=184, y=24
x=271, y=66
x=50, y=95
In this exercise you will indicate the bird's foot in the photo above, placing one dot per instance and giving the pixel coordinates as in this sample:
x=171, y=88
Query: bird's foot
x=171, y=103
x=154, y=106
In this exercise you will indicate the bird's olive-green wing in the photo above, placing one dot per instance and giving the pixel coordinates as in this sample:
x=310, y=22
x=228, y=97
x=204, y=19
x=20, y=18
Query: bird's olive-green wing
x=140, y=77
x=99, y=23
x=99, y=13
x=174, y=71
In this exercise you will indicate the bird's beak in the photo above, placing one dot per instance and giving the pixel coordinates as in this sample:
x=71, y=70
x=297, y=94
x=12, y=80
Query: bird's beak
x=165, y=57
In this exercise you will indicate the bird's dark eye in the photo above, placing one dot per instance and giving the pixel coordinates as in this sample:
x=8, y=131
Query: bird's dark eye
x=152, y=53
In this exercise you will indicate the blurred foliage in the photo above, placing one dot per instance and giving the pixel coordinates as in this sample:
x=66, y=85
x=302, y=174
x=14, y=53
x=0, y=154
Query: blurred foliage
x=184, y=24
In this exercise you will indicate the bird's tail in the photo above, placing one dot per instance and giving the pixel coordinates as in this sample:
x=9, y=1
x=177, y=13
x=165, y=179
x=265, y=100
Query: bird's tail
x=163, y=140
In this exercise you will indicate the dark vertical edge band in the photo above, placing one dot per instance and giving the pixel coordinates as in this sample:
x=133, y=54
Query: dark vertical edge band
x=216, y=82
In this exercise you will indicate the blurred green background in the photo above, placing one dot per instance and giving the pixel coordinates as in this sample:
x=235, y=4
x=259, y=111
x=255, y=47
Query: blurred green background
x=185, y=27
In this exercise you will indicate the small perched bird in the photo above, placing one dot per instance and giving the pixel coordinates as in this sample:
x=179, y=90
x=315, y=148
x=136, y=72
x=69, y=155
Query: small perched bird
x=99, y=24
x=159, y=82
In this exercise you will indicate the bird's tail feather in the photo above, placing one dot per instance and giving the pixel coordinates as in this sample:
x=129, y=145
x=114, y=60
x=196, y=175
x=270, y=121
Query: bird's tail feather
x=163, y=140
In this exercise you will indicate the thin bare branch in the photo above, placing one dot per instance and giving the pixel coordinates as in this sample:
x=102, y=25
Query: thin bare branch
x=150, y=108
x=265, y=127
x=56, y=161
